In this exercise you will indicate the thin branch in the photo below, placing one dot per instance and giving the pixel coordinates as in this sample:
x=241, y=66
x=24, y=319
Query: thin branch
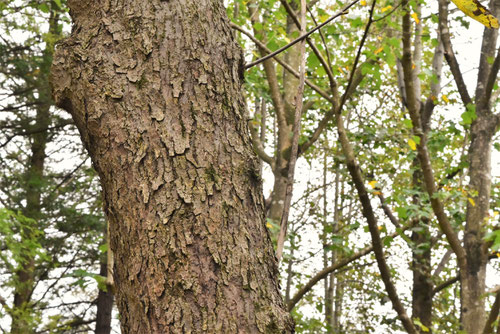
x=449, y=54
x=325, y=272
x=445, y=284
x=491, y=80
x=324, y=63
x=388, y=211
x=358, y=77
x=488, y=328
x=286, y=66
x=368, y=212
x=258, y=147
x=343, y=11
x=442, y=263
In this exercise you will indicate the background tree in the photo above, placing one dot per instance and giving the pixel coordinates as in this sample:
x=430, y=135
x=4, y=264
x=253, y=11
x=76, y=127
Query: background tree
x=51, y=220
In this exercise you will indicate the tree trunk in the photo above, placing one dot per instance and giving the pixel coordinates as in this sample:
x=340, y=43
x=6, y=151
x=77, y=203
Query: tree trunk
x=155, y=90
x=23, y=313
x=104, y=305
x=285, y=124
x=473, y=280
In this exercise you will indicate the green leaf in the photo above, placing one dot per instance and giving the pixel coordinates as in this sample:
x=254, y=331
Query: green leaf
x=417, y=322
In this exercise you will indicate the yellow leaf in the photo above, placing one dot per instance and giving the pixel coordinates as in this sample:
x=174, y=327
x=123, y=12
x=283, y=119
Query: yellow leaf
x=472, y=202
x=385, y=9
x=363, y=3
x=478, y=12
x=378, y=50
x=415, y=17
x=445, y=99
x=412, y=144
x=372, y=184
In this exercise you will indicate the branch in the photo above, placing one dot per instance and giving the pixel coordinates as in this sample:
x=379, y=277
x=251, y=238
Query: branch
x=368, y=213
x=287, y=67
x=449, y=54
x=445, y=284
x=358, y=77
x=325, y=272
x=489, y=42
x=442, y=263
x=326, y=66
x=343, y=11
x=258, y=147
x=388, y=211
x=492, y=77
x=423, y=153
x=269, y=69
x=488, y=328
x=437, y=67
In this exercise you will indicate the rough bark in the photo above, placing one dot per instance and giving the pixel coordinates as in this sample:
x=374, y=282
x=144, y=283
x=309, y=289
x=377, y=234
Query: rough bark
x=155, y=90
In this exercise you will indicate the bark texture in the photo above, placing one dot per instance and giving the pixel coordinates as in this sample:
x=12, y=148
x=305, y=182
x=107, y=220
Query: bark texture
x=155, y=90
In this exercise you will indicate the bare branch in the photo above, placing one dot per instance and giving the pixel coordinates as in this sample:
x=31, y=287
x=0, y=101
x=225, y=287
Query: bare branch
x=258, y=147
x=325, y=272
x=368, y=212
x=493, y=317
x=343, y=11
x=324, y=63
x=449, y=54
x=286, y=66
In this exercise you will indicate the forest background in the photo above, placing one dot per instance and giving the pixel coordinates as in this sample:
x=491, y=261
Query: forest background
x=367, y=127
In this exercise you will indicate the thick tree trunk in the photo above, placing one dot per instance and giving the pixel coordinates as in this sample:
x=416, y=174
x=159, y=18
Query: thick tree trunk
x=155, y=90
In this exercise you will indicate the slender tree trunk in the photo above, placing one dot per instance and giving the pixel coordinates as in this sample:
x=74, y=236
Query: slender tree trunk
x=483, y=128
x=327, y=252
x=473, y=280
x=285, y=123
x=155, y=90
x=22, y=317
x=104, y=305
